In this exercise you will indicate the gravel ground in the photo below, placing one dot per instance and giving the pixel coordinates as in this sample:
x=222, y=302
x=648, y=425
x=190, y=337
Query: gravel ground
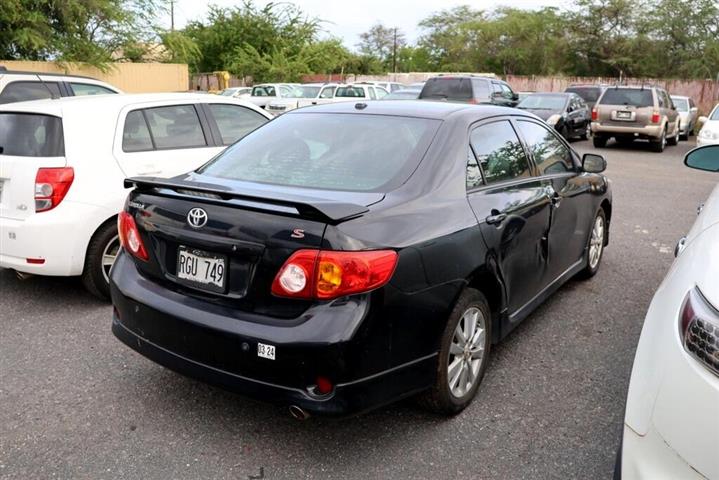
x=78, y=404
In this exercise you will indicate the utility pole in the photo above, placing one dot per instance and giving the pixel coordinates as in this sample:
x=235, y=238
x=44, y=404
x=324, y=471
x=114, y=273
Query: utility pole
x=172, y=15
x=394, y=52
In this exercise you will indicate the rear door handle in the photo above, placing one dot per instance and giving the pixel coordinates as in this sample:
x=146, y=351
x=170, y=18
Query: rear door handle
x=496, y=218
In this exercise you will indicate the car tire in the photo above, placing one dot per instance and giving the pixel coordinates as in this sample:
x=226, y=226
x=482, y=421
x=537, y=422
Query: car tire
x=104, y=246
x=659, y=145
x=442, y=397
x=599, y=142
x=595, y=245
x=674, y=141
x=585, y=134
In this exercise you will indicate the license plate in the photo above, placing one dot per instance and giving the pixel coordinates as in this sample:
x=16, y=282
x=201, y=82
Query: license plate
x=201, y=269
x=624, y=115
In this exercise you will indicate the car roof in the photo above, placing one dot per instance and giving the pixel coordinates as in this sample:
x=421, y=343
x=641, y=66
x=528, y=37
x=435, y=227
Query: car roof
x=410, y=108
x=48, y=74
x=115, y=101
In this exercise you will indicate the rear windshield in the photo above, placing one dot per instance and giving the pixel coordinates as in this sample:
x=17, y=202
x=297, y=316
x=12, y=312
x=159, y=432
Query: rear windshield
x=31, y=135
x=447, y=88
x=356, y=152
x=682, y=104
x=588, y=94
x=543, y=102
x=349, y=92
x=628, y=96
x=304, y=92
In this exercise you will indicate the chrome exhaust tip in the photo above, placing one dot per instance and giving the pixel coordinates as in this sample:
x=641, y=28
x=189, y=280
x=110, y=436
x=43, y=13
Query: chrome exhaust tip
x=298, y=413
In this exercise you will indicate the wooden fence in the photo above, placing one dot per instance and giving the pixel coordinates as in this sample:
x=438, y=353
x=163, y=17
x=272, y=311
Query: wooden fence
x=128, y=77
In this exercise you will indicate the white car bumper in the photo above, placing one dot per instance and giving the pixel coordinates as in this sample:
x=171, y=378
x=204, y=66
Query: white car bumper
x=57, y=238
x=649, y=457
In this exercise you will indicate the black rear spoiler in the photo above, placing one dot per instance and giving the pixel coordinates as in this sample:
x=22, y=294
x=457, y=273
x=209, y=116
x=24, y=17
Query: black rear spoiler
x=329, y=211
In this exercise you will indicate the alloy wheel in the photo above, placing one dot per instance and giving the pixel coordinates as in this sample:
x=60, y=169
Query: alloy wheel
x=109, y=254
x=596, y=243
x=466, y=352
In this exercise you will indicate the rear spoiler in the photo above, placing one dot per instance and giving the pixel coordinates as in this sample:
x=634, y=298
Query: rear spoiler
x=284, y=203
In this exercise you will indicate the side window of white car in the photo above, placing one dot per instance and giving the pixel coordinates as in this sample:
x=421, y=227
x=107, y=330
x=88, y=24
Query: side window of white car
x=327, y=92
x=372, y=95
x=135, y=135
x=381, y=92
x=234, y=122
x=80, y=89
x=176, y=126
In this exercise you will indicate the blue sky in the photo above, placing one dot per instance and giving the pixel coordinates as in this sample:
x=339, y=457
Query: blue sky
x=348, y=18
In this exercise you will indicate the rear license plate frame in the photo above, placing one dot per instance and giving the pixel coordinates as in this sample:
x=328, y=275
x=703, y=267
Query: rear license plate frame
x=209, y=259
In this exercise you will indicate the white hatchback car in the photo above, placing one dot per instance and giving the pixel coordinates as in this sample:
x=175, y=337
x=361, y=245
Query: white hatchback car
x=709, y=134
x=63, y=162
x=671, y=427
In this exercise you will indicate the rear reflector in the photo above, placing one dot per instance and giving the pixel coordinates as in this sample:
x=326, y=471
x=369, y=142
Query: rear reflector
x=324, y=275
x=35, y=261
x=130, y=237
x=51, y=186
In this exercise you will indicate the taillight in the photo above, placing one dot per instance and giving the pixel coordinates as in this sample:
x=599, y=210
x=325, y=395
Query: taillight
x=51, y=186
x=472, y=101
x=595, y=115
x=324, y=275
x=130, y=236
x=656, y=117
x=699, y=329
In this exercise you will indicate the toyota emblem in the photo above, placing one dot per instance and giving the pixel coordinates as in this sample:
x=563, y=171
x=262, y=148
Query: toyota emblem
x=197, y=218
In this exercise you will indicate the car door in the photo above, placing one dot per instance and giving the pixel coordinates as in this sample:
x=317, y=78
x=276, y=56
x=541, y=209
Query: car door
x=571, y=211
x=512, y=208
x=163, y=140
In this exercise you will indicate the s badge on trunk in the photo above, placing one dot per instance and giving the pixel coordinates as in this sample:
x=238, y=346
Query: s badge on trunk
x=197, y=218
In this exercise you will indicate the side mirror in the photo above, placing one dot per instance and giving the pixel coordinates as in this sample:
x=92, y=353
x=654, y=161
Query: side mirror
x=515, y=97
x=703, y=158
x=593, y=163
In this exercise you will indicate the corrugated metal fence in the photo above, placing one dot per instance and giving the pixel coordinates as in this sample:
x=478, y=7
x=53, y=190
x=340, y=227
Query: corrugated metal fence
x=128, y=77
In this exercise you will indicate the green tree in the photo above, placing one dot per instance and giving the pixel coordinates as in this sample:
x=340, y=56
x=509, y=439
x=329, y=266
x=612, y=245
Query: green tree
x=382, y=43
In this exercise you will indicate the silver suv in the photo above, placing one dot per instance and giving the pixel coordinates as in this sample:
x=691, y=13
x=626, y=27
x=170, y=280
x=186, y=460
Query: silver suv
x=628, y=113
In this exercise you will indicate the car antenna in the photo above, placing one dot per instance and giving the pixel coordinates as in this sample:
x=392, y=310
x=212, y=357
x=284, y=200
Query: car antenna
x=52, y=94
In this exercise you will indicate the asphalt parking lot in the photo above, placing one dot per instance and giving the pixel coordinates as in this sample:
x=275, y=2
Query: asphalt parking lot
x=78, y=404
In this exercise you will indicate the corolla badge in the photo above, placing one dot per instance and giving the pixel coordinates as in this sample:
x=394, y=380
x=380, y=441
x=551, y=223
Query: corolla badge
x=197, y=218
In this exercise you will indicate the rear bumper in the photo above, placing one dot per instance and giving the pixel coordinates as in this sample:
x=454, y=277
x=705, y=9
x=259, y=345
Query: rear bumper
x=59, y=237
x=649, y=457
x=220, y=348
x=649, y=131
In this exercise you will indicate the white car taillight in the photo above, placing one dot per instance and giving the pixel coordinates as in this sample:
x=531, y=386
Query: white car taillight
x=699, y=329
x=51, y=186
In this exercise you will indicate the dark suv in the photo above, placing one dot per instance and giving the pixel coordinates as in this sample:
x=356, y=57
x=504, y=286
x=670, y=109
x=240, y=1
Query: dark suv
x=469, y=89
x=589, y=93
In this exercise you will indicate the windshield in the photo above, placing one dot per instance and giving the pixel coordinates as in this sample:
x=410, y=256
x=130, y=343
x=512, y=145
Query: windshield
x=329, y=151
x=447, y=88
x=682, y=104
x=304, y=92
x=543, y=102
x=588, y=94
x=349, y=92
x=628, y=96
x=715, y=114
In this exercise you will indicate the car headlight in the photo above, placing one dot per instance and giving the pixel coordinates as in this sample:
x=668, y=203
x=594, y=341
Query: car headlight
x=554, y=119
x=699, y=330
x=709, y=134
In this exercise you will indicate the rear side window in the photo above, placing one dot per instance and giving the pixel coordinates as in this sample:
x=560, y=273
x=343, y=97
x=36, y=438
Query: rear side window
x=24, y=91
x=447, y=88
x=31, y=135
x=177, y=126
x=135, y=134
x=327, y=92
x=80, y=89
x=234, y=122
x=264, y=91
x=628, y=96
x=499, y=152
x=328, y=151
x=550, y=154
x=682, y=104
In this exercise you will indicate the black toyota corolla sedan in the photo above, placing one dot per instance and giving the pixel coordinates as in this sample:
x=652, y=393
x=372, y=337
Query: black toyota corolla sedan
x=345, y=256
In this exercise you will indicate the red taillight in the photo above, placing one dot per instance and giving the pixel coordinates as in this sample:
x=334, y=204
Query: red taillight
x=35, y=261
x=324, y=275
x=595, y=115
x=51, y=186
x=324, y=385
x=656, y=117
x=130, y=237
